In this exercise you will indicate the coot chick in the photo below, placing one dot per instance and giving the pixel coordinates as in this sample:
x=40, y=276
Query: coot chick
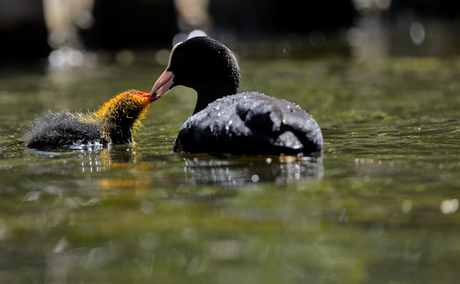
x=225, y=122
x=111, y=124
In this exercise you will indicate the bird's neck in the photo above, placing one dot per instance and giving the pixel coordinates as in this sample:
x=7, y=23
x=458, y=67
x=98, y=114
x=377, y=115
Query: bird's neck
x=210, y=93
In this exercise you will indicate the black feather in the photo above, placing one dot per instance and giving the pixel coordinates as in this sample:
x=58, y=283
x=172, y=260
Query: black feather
x=64, y=130
x=225, y=122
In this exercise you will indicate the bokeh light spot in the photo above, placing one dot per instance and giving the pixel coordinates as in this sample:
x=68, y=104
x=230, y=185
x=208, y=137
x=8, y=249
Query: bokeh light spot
x=417, y=33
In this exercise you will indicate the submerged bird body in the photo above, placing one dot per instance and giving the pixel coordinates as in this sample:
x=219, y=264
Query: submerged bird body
x=226, y=122
x=111, y=124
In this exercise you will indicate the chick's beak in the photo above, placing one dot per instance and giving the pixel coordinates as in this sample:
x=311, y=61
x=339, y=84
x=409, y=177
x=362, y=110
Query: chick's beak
x=162, y=85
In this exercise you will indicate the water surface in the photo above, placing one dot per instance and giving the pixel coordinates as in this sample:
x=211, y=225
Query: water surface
x=380, y=205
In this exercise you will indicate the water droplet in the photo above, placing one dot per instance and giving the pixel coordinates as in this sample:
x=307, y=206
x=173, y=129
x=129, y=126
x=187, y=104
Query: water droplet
x=407, y=206
x=227, y=126
x=449, y=206
x=147, y=207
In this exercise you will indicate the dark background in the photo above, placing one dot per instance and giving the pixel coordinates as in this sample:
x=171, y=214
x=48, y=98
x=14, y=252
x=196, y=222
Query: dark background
x=147, y=24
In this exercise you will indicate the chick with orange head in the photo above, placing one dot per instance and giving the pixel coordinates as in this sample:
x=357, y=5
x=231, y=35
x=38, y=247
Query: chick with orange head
x=111, y=124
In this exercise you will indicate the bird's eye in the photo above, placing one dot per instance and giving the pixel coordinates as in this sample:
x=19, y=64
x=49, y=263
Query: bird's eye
x=178, y=55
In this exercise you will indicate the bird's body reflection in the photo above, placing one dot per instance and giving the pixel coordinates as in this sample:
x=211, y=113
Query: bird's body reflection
x=239, y=171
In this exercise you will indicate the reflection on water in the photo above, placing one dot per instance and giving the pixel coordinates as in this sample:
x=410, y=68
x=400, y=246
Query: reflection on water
x=225, y=170
x=237, y=171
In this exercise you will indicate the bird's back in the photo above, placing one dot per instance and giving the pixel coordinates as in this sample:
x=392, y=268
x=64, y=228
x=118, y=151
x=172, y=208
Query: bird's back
x=64, y=130
x=250, y=123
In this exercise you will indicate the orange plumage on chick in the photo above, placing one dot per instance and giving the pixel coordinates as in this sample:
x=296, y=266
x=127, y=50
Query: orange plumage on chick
x=111, y=124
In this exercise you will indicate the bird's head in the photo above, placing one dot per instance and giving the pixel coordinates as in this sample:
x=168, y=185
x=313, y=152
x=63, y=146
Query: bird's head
x=122, y=114
x=203, y=64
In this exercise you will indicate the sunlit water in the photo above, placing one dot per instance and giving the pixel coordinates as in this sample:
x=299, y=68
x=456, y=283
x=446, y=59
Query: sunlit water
x=379, y=207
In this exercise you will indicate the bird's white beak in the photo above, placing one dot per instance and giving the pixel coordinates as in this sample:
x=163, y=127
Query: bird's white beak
x=162, y=85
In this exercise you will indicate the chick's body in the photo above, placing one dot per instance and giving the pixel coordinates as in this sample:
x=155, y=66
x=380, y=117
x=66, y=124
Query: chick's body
x=111, y=124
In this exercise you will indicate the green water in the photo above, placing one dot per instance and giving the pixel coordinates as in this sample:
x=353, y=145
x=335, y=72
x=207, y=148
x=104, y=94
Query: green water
x=380, y=208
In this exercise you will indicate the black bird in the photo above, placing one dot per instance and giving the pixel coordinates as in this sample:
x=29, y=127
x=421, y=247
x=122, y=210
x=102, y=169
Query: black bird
x=226, y=122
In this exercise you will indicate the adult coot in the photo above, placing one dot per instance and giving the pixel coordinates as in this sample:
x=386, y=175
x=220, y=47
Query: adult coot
x=226, y=122
x=111, y=124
